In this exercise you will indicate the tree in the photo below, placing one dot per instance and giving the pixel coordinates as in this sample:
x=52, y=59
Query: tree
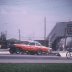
x=3, y=41
x=3, y=36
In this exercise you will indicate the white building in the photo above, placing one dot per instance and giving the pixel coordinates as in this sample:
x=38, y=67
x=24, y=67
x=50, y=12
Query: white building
x=60, y=34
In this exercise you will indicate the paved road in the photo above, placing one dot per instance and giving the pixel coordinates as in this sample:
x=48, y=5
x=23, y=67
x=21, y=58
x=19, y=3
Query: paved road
x=33, y=59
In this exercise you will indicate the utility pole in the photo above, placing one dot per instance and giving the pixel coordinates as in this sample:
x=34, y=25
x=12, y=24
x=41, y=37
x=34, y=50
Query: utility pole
x=45, y=31
x=6, y=34
x=44, y=28
x=65, y=39
x=19, y=35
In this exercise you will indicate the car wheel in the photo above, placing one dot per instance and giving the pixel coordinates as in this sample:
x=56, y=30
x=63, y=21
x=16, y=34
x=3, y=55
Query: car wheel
x=68, y=55
x=18, y=51
x=39, y=52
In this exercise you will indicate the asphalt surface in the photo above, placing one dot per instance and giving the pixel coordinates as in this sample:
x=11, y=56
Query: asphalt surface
x=33, y=59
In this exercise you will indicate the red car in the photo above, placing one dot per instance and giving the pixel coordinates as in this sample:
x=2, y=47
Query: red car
x=33, y=47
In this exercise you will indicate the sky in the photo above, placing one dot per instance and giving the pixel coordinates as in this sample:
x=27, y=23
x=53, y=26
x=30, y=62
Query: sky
x=28, y=16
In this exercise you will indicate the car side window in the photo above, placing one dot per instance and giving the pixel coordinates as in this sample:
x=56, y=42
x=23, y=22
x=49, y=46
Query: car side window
x=31, y=43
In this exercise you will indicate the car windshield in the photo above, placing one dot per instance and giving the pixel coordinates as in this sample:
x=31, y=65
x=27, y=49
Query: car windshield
x=31, y=43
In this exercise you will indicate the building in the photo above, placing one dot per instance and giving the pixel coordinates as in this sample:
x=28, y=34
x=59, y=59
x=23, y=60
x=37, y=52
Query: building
x=58, y=36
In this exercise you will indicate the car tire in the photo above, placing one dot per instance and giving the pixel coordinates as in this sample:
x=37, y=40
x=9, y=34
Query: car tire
x=18, y=51
x=39, y=52
x=68, y=55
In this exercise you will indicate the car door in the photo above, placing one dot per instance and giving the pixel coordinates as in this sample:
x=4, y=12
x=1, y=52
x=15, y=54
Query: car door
x=31, y=46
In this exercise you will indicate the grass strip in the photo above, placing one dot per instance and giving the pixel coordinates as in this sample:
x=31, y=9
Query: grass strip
x=35, y=67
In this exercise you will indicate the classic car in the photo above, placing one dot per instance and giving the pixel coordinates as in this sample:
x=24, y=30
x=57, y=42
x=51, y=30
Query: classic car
x=32, y=47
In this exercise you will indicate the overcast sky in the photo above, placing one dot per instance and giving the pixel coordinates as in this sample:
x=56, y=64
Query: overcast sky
x=28, y=16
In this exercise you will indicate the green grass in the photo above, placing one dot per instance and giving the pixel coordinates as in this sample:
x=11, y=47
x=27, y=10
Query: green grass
x=35, y=67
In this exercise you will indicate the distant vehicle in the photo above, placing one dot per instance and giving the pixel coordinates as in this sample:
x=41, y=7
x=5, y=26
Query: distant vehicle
x=69, y=49
x=31, y=47
x=69, y=52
